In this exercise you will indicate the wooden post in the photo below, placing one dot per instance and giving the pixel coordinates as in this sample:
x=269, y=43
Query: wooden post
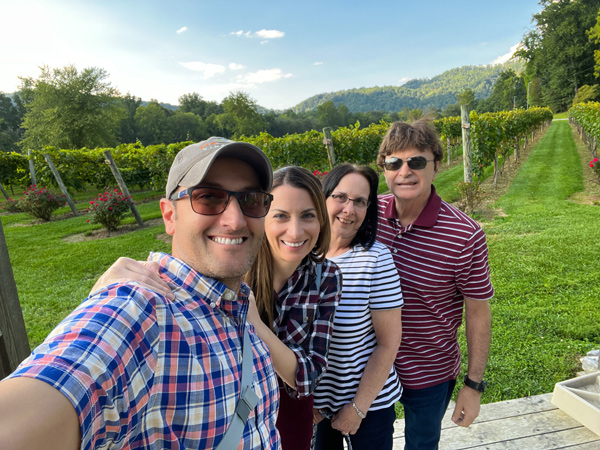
x=115, y=170
x=61, y=184
x=329, y=145
x=13, y=343
x=448, y=149
x=4, y=192
x=31, y=168
x=466, y=138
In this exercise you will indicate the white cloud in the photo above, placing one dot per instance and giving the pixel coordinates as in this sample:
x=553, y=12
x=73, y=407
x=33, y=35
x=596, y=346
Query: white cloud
x=234, y=66
x=318, y=63
x=181, y=30
x=264, y=76
x=242, y=33
x=270, y=34
x=263, y=34
x=504, y=58
x=209, y=70
x=403, y=80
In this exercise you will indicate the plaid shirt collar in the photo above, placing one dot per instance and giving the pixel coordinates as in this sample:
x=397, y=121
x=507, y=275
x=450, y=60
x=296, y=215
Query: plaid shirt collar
x=179, y=275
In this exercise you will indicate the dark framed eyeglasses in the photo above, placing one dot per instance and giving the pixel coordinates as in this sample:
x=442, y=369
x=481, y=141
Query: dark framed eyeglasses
x=359, y=203
x=414, y=163
x=210, y=201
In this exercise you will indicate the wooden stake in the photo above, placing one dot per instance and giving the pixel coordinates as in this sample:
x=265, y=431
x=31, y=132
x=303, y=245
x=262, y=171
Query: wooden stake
x=466, y=138
x=14, y=346
x=115, y=170
x=329, y=145
x=63, y=189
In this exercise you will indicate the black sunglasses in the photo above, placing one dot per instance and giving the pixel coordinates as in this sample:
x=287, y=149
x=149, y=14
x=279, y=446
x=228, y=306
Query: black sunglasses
x=210, y=201
x=414, y=163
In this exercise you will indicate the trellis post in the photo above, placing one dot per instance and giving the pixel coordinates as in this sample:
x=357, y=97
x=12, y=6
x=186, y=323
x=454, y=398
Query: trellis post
x=466, y=138
x=115, y=171
x=14, y=345
x=63, y=189
x=329, y=145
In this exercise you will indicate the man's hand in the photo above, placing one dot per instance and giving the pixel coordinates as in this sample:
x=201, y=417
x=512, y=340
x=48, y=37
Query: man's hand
x=467, y=407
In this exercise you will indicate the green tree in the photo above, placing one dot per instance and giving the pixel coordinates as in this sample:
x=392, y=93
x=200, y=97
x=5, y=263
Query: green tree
x=509, y=93
x=587, y=94
x=558, y=50
x=243, y=115
x=128, y=130
x=188, y=126
x=594, y=35
x=153, y=124
x=69, y=109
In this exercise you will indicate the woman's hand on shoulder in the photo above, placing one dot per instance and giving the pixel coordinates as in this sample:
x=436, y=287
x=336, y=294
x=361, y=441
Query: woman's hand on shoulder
x=127, y=269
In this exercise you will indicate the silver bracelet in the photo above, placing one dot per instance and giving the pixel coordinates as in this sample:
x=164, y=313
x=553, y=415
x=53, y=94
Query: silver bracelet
x=361, y=414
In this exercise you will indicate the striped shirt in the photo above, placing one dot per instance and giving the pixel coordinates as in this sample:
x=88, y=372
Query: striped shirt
x=143, y=371
x=442, y=258
x=304, y=320
x=370, y=283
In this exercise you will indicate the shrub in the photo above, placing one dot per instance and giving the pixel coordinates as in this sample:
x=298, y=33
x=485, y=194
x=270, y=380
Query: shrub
x=108, y=209
x=40, y=202
x=11, y=205
x=471, y=195
x=595, y=165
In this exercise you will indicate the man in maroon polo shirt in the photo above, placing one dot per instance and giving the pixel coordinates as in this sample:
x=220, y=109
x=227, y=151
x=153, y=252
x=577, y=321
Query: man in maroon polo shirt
x=441, y=254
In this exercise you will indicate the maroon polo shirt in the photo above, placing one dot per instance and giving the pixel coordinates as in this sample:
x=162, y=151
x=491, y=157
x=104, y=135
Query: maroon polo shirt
x=442, y=258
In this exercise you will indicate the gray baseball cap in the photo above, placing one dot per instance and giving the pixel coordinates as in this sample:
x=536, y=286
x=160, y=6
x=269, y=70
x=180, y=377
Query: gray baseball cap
x=193, y=162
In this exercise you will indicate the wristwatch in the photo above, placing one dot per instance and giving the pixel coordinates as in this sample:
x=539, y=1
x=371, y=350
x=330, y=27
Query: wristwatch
x=477, y=386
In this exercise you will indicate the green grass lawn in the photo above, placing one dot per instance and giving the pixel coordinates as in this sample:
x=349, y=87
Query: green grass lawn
x=544, y=259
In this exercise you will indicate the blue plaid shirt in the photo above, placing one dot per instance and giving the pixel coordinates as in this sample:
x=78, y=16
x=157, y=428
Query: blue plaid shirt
x=146, y=372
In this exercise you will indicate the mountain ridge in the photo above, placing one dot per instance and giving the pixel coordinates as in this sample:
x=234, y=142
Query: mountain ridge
x=423, y=93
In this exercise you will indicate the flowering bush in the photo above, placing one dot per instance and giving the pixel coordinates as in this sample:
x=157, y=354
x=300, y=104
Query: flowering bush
x=40, y=202
x=108, y=209
x=11, y=205
x=471, y=195
x=319, y=175
x=595, y=165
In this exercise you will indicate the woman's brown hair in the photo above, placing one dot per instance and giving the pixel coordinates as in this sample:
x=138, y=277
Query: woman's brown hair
x=260, y=275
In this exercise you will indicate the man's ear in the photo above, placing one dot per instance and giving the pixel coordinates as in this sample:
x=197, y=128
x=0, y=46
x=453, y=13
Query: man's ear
x=169, y=214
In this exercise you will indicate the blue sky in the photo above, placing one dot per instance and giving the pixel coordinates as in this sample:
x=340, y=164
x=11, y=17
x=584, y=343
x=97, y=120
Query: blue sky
x=279, y=52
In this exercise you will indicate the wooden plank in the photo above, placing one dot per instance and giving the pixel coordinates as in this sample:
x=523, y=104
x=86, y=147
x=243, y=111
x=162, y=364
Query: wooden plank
x=541, y=427
x=14, y=335
x=576, y=438
x=528, y=423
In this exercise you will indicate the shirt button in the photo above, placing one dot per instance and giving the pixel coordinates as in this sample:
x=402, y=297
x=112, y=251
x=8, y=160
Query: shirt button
x=213, y=304
x=228, y=296
x=395, y=250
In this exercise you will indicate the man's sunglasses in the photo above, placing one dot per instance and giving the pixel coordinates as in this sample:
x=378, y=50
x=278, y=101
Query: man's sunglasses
x=414, y=163
x=210, y=201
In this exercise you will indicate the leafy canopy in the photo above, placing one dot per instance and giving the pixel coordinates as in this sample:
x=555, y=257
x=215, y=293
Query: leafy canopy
x=69, y=109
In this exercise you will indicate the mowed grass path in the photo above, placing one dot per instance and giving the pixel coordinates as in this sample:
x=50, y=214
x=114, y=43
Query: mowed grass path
x=545, y=264
x=544, y=258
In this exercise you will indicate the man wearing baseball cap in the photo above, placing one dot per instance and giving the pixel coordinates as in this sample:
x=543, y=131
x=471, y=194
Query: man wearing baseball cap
x=131, y=368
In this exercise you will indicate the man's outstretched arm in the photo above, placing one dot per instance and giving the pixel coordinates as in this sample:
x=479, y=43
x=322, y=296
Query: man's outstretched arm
x=34, y=415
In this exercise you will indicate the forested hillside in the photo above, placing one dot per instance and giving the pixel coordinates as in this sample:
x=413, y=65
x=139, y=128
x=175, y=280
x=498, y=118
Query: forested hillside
x=431, y=93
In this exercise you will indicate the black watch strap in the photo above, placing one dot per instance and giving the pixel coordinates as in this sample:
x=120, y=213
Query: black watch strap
x=474, y=385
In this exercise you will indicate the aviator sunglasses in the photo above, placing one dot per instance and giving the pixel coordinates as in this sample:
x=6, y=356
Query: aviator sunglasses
x=414, y=163
x=210, y=201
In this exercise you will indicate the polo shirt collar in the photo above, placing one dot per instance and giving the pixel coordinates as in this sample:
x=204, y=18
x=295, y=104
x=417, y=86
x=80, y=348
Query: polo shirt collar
x=429, y=215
